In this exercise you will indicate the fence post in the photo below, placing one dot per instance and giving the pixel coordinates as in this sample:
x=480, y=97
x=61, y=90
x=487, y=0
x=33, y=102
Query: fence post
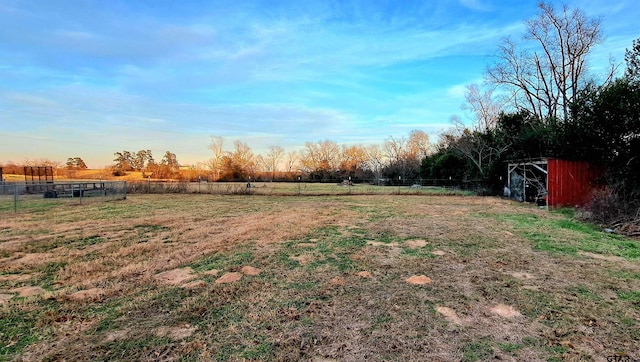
x=125, y=189
x=15, y=198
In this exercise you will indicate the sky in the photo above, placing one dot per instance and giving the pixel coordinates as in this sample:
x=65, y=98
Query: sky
x=88, y=78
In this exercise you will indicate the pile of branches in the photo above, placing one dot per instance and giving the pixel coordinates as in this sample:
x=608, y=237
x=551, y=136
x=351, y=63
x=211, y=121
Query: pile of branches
x=617, y=214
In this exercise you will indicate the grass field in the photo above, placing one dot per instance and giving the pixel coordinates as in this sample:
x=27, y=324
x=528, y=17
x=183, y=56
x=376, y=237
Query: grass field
x=323, y=278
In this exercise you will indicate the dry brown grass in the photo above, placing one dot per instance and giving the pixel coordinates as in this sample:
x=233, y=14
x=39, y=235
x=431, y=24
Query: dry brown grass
x=321, y=278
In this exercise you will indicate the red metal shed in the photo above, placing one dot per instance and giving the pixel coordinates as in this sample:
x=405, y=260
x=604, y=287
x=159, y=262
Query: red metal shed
x=560, y=182
x=571, y=182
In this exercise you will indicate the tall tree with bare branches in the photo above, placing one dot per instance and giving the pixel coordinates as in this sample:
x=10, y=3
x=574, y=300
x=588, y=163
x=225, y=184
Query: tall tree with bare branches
x=544, y=79
x=484, y=106
x=292, y=161
x=216, y=162
x=272, y=158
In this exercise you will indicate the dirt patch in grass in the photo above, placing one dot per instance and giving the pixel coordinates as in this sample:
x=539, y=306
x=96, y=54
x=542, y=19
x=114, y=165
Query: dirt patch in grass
x=5, y=297
x=89, y=294
x=522, y=275
x=331, y=284
x=175, y=276
x=381, y=243
x=177, y=332
x=15, y=277
x=251, y=271
x=415, y=243
x=449, y=314
x=229, y=278
x=304, y=259
x=28, y=291
x=505, y=311
x=212, y=272
x=196, y=284
x=418, y=279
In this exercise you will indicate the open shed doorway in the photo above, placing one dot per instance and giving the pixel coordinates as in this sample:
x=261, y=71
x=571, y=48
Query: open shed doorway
x=528, y=180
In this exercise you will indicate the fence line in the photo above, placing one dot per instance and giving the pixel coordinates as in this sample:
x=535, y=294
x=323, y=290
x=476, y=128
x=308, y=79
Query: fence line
x=281, y=188
x=23, y=196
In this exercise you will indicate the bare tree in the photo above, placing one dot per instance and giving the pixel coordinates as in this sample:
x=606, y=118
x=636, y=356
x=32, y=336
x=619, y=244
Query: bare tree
x=353, y=159
x=321, y=157
x=375, y=160
x=395, y=148
x=418, y=145
x=484, y=106
x=242, y=156
x=216, y=162
x=545, y=79
x=292, y=161
x=477, y=146
x=261, y=164
x=272, y=159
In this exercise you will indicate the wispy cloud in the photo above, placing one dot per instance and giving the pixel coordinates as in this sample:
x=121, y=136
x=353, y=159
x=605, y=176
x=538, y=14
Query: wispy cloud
x=476, y=4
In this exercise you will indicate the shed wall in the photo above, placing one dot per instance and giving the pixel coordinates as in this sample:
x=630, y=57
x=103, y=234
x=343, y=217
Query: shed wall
x=570, y=182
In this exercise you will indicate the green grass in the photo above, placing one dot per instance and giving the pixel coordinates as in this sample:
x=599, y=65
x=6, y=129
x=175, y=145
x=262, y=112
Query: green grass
x=584, y=292
x=60, y=241
x=510, y=348
x=632, y=296
x=566, y=236
x=148, y=228
x=259, y=352
x=623, y=274
x=81, y=243
x=17, y=330
x=477, y=351
x=221, y=261
x=47, y=274
x=425, y=252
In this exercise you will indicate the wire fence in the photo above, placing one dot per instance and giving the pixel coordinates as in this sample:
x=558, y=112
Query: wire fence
x=16, y=196
x=285, y=188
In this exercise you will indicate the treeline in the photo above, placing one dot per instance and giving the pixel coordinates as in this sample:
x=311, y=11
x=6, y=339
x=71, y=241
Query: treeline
x=396, y=160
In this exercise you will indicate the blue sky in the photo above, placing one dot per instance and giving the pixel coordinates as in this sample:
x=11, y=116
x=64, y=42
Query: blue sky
x=89, y=78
